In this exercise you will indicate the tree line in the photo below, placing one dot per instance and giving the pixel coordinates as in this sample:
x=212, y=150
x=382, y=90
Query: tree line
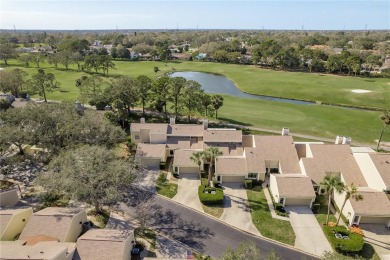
x=183, y=97
x=358, y=52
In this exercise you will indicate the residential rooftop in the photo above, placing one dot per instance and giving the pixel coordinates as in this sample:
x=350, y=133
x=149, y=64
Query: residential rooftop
x=151, y=150
x=182, y=158
x=337, y=158
x=222, y=136
x=279, y=148
x=229, y=165
x=374, y=203
x=382, y=164
x=294, y=186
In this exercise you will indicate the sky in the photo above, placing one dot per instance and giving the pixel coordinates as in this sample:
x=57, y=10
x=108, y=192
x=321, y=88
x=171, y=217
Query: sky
x=184, y=14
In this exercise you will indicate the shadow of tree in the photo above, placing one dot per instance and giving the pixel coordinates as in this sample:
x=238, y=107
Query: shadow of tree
x=172, y=225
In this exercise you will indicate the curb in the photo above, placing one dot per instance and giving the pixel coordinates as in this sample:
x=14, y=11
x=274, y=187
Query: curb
x=241, y=230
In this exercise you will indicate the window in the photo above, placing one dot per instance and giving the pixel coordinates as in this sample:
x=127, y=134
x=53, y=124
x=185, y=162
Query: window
x=281, y=200
x=218, y=178
x=136, y=137
x=252, y=175
x=176, y=169
x=274, y=170
x=171, y=152
x=356, y=219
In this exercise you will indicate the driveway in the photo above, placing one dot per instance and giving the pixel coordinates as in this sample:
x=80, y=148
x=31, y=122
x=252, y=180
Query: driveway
x=187, y=191
x=309, y=235
x=379, y=237
x=236, y=208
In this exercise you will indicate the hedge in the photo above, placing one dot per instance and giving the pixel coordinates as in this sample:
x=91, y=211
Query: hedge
x=208, y=198
x=248, y=184
x=353, y=245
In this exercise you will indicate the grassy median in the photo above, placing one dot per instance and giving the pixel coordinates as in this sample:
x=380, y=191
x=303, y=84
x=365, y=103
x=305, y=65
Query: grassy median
x=276, y=229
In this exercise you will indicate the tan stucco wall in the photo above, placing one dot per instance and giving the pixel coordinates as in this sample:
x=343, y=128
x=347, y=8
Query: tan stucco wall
x=128, y=246
x=302, y=167
x=274, y=188
x=156, y=138
x=75, y=227
x=144, y=136
x=16, y=225
x=8, y=198
x=136, y=141
x=339, y=199
x=370, y=173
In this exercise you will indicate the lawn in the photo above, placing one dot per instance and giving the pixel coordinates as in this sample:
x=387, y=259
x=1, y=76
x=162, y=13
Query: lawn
x=276, y=229
x=295, y=85
x=164, y=187
x=317, y=120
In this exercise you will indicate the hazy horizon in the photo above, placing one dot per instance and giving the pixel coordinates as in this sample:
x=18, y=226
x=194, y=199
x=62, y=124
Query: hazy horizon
x=190, y=15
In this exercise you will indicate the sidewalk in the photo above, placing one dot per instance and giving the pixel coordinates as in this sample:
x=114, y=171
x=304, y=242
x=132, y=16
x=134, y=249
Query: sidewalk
x=271, y=206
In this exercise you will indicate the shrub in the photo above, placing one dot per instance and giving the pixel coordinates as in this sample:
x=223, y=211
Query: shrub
x=162, y=178
x=50, y=199
x=248, y=184
x=208, y=198
x=162, y=165
x=353, y=245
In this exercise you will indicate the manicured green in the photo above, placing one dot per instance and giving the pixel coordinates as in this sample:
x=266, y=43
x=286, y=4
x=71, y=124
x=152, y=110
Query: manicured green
x=317, y=120
x=353, y=245
x=276, y=229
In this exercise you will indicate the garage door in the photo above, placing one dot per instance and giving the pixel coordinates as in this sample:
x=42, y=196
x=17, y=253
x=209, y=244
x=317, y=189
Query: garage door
x=374, y=220
x=151, y=163
x=188, y=170
x=233, y=179
x=298, y=202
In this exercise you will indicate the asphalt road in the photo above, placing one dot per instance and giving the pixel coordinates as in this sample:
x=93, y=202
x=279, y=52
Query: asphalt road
x=205, y=234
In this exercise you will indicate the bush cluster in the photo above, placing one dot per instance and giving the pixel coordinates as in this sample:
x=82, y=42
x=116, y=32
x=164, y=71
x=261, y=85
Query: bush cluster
x=248, y=184
x=353, y=245
x=208, y=198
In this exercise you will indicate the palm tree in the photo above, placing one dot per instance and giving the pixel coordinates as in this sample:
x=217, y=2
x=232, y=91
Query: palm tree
x=385, y=117
x=209, y=155
x=197, y=158
x=331, y=183
x=350, y=192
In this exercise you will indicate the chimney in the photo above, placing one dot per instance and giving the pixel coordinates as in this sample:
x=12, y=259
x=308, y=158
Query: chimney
x=205, y=124
x=339, y=139
x=142, y=121
x=172, y=120
x=347, y=140
x=285, y=131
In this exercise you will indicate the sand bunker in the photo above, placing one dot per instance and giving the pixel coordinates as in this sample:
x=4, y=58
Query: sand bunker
x=360, y=91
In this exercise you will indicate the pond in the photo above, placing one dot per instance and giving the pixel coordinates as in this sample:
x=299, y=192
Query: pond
x=218, y=84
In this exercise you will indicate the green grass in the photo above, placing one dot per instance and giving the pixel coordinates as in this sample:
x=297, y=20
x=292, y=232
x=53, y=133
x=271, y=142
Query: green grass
x=316, y=120
x=168, y=190
x=164, y=187
x=213, y=210
x=325, y=121
x=321, y=215
x=276, y=229
x=101, y=218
